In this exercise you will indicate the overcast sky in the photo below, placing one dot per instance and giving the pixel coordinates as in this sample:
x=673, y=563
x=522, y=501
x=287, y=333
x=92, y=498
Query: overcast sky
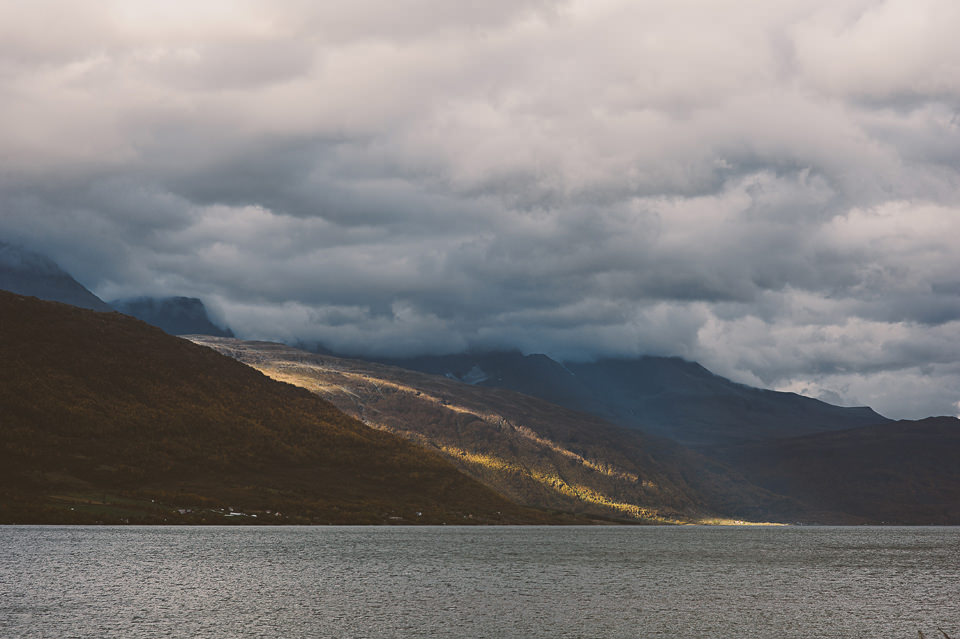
x=770, y=188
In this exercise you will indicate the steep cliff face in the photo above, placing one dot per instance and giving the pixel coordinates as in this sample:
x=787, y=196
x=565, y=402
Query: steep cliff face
x=28, y=273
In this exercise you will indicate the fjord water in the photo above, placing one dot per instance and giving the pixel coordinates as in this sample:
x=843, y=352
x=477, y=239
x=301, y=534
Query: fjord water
x=749, y=582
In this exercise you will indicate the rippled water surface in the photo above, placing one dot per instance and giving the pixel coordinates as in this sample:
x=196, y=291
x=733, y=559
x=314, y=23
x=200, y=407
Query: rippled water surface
x=478, y=582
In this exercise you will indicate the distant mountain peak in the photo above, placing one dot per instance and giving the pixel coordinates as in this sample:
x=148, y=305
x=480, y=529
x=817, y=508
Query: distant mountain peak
x=17, y=258
x=176, y=315
x=27, y=272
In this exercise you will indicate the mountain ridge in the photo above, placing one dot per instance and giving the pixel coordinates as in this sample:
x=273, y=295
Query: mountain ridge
x=108, y=419
x=666, y=396
x=27, y=272
x=895, y=472
x=176, y=315
x=537, y=453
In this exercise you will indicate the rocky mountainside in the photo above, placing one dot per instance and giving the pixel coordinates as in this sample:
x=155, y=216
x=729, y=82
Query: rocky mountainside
x=665, y=396
x=107, y=419
x=175, y=315
x=28, y=273
x=537, y=453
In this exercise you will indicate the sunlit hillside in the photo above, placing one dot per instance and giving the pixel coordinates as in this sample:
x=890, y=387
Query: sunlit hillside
x=107, y=419
x=532, y=451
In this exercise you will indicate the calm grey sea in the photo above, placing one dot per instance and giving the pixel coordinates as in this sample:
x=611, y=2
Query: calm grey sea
x=478, y=582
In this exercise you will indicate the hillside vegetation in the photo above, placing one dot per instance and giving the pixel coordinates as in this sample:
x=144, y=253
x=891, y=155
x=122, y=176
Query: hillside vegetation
x=104, y=418
x=664, y=396
x=536, y=453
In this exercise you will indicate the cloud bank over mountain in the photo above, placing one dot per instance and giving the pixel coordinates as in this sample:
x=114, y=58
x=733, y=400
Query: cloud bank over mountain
x=770, y=189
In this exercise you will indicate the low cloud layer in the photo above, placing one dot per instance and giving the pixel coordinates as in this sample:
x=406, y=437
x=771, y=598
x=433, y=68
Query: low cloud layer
x=771, y=189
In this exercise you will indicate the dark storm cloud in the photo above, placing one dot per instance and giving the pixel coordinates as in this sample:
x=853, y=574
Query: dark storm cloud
x=770, y=189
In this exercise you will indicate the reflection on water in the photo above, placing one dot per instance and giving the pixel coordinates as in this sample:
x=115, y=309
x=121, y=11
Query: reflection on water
x=478, y=582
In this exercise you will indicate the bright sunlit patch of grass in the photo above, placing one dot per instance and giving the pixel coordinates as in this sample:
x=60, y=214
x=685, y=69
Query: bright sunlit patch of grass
x=558, y=484
x=323, y=380
x=722, y=521
x=308, y=376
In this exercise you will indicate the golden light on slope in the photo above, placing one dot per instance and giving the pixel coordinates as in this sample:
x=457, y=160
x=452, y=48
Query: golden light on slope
x=311, y=377
x=558, y=484
x=306, y=376
x=421, y=413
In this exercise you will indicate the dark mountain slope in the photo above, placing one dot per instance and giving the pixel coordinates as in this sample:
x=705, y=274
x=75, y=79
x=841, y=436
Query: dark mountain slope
x=28, y=273
x=175, y=315
x=104, y=418
x=905, y=472
x=666, y=396
x=683, y=400
x=536, y=453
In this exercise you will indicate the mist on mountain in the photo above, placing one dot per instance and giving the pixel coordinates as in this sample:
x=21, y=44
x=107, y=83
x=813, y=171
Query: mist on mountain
x=175, y=315
x=27, y=272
